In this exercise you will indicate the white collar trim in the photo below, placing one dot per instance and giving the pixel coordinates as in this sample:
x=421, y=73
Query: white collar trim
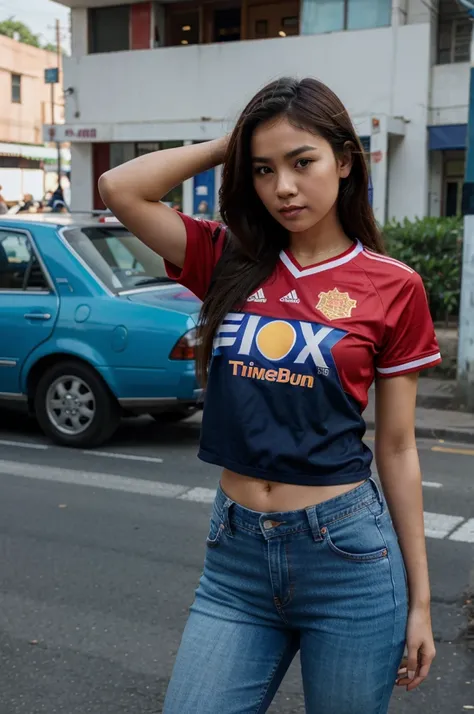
x=297, y=273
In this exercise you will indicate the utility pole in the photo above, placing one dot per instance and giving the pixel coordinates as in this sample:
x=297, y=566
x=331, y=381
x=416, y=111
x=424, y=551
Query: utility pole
x=58, y=55
x=465, y=370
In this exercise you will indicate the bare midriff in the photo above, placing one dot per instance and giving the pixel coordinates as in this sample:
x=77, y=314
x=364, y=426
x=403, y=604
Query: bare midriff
x=274, y=497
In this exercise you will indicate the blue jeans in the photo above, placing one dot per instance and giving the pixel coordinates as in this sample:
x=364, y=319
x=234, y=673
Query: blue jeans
x=328, y=580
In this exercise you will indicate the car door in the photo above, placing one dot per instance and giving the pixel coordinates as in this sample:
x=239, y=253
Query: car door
x=28, y=306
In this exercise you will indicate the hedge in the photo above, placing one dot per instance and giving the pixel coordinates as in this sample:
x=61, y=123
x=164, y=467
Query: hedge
x=432, y=247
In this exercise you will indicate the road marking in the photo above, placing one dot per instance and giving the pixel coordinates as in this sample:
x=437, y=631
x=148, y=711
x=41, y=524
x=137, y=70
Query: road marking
x=453, y=450
x=200, y=495
x=118, y=455
x=438, y=525
x=24, y=444
x=432, y=484
x=465, y=533
x=91, y=478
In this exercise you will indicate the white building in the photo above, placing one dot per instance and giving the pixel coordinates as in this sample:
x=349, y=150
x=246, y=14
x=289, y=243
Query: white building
x=146, y=75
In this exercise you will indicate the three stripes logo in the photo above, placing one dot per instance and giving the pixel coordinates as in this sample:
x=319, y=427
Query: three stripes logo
x=258, y=296
x=292, y=297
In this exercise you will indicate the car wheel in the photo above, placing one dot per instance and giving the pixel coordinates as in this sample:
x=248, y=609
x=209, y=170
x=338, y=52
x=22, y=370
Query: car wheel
x=74, y=406
x=174, y=415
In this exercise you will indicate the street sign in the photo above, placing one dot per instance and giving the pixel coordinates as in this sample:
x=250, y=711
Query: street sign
x=51, y=75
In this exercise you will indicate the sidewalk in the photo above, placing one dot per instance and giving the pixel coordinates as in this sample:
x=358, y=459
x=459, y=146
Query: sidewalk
x=436, y=417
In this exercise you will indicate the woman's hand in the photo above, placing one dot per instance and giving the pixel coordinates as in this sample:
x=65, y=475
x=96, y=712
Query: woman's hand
x=421, y=649
x=219, y=149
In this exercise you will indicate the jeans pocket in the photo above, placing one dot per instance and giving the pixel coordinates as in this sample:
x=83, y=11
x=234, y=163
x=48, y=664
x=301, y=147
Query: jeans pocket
x=216, y=528
x=356, y=537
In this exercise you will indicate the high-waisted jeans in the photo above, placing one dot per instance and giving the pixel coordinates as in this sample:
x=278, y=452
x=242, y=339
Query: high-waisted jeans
x=328, y=580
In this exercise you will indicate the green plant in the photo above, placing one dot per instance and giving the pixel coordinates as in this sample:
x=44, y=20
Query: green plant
x=432, y=247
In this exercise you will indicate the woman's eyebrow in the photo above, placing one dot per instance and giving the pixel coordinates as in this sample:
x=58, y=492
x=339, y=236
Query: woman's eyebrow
x=289, y=155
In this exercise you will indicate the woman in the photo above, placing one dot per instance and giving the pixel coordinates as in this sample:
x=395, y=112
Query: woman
x=301, y=310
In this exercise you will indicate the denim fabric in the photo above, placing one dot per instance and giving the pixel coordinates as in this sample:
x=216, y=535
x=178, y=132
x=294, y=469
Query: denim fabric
x=328, y=580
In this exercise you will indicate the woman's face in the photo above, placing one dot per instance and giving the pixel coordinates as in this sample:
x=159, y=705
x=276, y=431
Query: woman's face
x=295, y=174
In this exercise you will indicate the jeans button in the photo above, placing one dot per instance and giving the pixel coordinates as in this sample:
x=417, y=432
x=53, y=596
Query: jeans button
x=267, y=525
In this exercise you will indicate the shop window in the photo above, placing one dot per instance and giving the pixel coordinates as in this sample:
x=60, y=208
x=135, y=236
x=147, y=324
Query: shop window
x=109, y=29
x=227, y=25
x=453, y=174
x=183, y=27
x=319, y=16
x=16, y=88
x=274, y=19
x=454, y=32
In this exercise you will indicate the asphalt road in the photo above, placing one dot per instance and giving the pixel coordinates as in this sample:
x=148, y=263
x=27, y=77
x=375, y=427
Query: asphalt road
x=99, y=562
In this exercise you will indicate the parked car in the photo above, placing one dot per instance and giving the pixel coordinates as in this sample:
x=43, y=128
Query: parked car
x=91, y=328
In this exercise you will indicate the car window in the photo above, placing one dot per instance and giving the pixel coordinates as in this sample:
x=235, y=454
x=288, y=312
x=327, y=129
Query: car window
x=19, y=266
x=117, y=257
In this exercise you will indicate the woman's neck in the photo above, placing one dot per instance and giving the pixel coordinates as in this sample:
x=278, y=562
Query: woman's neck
x=325, y=239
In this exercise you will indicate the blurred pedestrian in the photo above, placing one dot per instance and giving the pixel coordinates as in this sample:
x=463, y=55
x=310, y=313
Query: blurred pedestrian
x=301, y=311
x=3, y=203
x=28, y=205
x=57, y=202
x=203, y=210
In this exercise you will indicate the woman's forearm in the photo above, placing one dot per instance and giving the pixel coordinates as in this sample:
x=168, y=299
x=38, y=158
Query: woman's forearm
x=401, y=480
x=152, y=176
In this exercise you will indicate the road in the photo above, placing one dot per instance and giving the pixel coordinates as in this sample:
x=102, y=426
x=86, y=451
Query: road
x=101, y=553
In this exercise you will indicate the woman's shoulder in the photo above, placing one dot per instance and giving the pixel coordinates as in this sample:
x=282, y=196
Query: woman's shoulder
x=383, y=270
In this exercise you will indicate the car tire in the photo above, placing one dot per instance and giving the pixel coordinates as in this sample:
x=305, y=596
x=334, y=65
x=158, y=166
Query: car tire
x=74, y=406
x=173, y=416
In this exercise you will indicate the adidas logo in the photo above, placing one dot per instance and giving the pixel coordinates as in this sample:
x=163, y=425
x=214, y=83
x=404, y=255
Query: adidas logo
x=291, y=297
x=258, y=296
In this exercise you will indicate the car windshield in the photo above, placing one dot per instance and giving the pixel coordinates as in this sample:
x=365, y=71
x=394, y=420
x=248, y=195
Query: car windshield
x=117, y=257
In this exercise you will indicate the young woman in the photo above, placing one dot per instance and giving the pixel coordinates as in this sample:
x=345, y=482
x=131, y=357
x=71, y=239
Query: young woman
x=302, y=310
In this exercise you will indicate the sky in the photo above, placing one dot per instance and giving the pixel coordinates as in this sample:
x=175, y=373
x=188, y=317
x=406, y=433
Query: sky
x=40, y=16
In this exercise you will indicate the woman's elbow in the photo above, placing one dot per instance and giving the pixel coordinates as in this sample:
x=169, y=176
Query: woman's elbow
x=107, y=187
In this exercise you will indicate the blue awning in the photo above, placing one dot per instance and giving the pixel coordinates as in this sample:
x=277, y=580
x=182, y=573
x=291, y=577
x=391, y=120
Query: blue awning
x=448, y=137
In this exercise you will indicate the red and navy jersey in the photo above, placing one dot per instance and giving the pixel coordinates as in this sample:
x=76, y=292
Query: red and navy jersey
x=290, y=371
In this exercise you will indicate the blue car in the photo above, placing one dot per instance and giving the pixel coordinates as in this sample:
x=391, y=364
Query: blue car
x=91, y=329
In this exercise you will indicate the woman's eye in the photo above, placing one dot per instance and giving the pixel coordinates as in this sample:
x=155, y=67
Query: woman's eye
x=262, y=170
x=303, y=163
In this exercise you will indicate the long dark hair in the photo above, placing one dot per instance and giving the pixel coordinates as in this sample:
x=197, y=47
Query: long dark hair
x=255, y=239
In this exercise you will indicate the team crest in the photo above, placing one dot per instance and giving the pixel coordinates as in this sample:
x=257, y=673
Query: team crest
x=335, y=305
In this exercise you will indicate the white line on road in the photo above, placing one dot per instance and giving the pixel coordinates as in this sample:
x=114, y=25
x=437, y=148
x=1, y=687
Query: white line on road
x=90, y=478
x=437, y=525
x=24, y=444
x=465, y=533
x=432, y=484
x=130, y=457
x=199, y=495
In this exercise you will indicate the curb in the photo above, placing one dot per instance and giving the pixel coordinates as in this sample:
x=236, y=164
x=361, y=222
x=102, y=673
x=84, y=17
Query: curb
x=446, y=434
x=470, y=612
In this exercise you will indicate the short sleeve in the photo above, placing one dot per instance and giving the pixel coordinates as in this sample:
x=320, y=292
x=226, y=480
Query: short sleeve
x=410, y=343
x=204, y=243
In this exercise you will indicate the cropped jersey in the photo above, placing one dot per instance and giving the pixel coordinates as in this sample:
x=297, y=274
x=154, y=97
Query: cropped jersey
x=290, y=371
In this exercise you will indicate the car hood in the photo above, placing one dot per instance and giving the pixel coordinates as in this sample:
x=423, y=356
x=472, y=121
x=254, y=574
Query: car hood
x=168, y=297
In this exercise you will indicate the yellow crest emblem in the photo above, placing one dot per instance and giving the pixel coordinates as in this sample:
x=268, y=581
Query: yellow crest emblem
x=335, y=305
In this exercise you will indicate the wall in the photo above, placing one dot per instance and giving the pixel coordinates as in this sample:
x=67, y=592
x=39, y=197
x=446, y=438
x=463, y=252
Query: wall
x=449, y=94
x=208, y=84
x=435, y=183
x=408, y=167
x=419, y=11
x=23, y=122
x=196, y=92
x=79, y=32
x=81, y=177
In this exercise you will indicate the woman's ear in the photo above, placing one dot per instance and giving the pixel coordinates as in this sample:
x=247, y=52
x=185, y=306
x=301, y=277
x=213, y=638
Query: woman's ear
x=345, y=162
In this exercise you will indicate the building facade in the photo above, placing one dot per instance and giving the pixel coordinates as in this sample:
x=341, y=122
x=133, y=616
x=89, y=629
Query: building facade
x=149, y=75
x=26, y=164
